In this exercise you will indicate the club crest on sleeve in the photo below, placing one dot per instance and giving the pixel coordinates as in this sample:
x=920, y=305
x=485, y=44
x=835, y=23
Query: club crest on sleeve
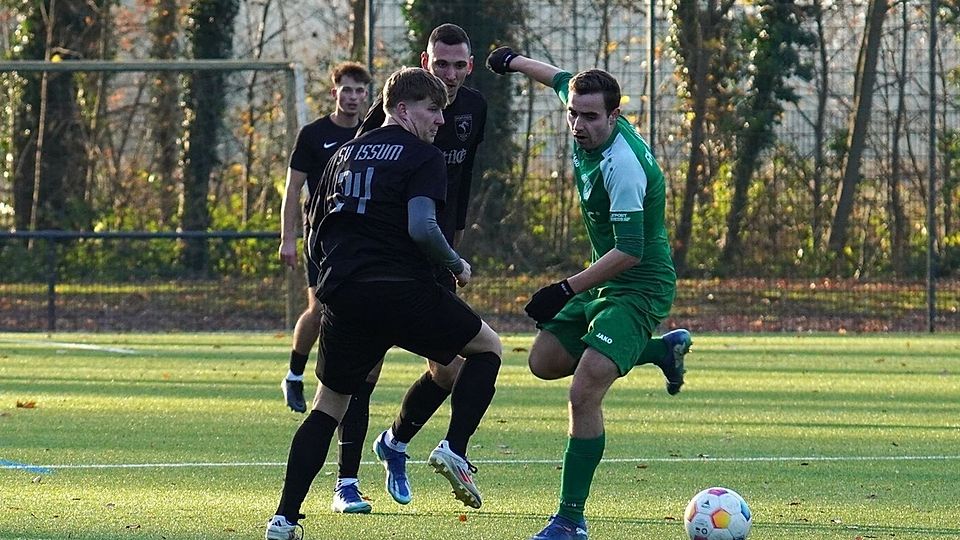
x=464, y=126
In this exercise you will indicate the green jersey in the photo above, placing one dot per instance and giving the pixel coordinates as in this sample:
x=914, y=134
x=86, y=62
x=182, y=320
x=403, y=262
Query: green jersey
x=622, y=199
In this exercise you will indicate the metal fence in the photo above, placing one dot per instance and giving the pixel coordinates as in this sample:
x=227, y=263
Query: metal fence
x=132, y=281
x=98, y=282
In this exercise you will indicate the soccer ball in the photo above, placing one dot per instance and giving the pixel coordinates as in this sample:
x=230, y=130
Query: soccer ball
x=717, y=513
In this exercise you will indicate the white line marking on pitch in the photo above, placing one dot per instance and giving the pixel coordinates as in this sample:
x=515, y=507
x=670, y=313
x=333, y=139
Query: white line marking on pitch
x=769, y=459
x=65, y=345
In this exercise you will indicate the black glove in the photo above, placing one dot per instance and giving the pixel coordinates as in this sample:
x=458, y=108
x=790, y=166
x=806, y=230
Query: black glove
x=548, y=301
x=499, y=60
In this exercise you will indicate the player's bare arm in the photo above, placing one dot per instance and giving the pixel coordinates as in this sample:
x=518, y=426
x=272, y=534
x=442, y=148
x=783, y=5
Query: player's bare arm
x=288, y=216
x=612, y=264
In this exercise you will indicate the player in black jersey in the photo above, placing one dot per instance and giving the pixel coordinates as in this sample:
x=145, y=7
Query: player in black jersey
x=376, y=241
x=316, y=144
x=448, y=56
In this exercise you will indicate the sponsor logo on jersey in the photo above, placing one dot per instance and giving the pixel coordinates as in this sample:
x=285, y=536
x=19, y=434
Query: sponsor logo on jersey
x=455, y=157
x=604, y=338
x=328, y=145
x=620, y=217
x=464, y=126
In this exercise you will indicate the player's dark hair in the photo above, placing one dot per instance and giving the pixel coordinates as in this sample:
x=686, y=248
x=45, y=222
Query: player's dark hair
x=450, y=34
x=594, y=81
x=413, y=84
x=354, y=70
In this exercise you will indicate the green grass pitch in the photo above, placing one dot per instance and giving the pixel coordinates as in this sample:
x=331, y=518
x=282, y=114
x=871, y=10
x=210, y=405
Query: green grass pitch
x=185, y=436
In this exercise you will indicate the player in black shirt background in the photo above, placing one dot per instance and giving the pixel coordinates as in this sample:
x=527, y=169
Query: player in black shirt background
x=377, y=242
x=316, y=144
x=448, y=56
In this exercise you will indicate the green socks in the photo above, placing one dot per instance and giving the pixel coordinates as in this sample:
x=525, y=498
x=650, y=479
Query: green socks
x=653, y=353
x=580, y=460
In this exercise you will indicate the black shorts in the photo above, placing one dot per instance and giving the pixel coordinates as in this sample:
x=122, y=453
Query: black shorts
x=361, y=321
x=445, y=278
x=313, y=271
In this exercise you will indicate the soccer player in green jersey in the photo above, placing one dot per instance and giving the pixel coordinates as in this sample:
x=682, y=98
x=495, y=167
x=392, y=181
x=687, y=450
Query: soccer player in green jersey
x=597, y=325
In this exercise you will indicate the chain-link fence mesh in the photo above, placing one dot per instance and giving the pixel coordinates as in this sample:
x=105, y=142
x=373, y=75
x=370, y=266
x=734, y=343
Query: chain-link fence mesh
x=524, y=228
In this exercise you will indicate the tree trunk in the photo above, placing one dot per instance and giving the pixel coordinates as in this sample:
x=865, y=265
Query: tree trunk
x=358, y=19
x=819, y=142
x=697, y=28
x=866, y=76
x=50, y=141
x=749, y=146
x=166, y=116
x=896, y=216
x=211, y=37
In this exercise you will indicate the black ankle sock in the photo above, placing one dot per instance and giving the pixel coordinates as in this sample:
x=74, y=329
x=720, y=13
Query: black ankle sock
x=298, y=362
x=307, y=454
x=353, y=431
x=471, y=397
x=422, y=400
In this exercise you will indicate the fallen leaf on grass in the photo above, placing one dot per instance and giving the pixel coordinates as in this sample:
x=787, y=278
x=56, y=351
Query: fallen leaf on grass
x=26, y=404
x=462, y=518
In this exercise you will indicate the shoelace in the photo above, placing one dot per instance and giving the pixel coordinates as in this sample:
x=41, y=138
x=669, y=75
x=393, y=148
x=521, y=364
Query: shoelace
x=351, y=492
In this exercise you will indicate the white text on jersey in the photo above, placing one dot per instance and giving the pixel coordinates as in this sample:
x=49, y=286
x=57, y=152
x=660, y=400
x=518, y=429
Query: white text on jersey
x=381, y=152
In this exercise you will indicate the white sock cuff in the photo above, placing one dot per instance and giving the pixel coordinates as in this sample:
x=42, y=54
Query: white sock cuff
x=393, y=443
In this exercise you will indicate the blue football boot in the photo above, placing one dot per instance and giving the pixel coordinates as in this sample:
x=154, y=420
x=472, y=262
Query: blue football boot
x=395, y=464
x=678, y=345
x=561, y=528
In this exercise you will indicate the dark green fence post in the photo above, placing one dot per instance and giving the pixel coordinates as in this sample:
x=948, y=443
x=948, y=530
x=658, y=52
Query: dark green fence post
x=51, y=284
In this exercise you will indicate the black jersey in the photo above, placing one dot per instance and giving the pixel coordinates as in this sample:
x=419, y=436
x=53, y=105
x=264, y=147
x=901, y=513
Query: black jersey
x=361, y=225
x=316, y=144
x=462, y=131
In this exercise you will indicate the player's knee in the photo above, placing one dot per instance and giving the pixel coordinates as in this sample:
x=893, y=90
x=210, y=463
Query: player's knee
x=583, y=398
x=445, y=376
x=542, y=369
x=486, y=341
x=492, y=343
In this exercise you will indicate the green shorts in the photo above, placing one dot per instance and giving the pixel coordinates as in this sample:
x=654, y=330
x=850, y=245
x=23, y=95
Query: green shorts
x=617, y=323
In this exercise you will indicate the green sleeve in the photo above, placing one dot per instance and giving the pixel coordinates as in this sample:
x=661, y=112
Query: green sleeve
x=561, y=85
x=628, y=234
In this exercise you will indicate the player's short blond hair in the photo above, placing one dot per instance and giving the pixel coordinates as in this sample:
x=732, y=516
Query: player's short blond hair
x=413, y=84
